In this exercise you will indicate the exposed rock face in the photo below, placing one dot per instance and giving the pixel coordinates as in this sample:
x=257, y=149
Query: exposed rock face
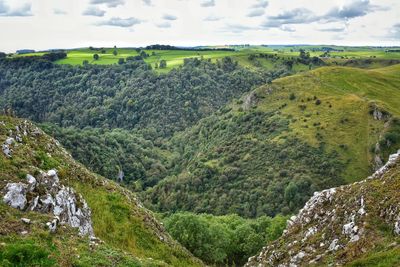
x=332, y=224
x=250, y=101
x=47, y=195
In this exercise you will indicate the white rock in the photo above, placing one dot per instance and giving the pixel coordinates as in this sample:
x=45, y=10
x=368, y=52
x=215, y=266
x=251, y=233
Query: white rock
x=9, y=141
x=26, y=220
x=31, y=181
x=15, y=195
x=334, y=245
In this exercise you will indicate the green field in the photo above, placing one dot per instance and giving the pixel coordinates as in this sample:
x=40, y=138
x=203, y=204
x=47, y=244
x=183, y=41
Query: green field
x=174, y=58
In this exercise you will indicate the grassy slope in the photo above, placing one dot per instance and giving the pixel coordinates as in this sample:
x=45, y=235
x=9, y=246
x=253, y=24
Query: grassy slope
x=129, y=231
x=246, y=145
x=342, y=118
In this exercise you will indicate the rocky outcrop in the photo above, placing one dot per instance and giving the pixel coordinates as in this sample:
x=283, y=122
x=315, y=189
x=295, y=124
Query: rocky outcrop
x=45, y=194
x=250, y=101
x=334, y=223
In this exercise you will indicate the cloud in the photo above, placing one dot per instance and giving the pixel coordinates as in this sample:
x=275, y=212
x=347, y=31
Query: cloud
x=212, y=18
x=394, y=32
x=260, y=4
x=207, y=3
x=3, y=7
x=94, y=11
x=22, y=11
x=147, y=2
x=120, y=22
x=169, y=17
x=333, y=29
x=237, y=28
x=357, y=8
x=287, y=28
x=164, y=25
x=58, y=11
x=294, y=16
x=256, y=12
x=109, y=3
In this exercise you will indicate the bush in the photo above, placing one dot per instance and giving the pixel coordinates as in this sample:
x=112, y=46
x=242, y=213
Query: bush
x=25, y=254
x=226, y=239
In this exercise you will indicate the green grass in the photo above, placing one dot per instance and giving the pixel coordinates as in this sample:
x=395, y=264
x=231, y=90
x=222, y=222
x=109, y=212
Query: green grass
x=130, y=233
x=390, y=258
x=174, y=58
x=342, y=120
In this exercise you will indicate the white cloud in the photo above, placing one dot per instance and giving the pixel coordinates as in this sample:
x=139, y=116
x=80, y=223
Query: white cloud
x=355, y=22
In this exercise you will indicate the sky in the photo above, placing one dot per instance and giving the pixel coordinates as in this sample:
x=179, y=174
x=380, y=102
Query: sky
x=53, y=24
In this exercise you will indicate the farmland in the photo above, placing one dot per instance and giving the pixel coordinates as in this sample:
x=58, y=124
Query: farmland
x=175, y=58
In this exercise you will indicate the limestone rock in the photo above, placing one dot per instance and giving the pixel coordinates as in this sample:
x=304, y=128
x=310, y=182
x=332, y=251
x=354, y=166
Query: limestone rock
x=49, y=196
x=15, y=195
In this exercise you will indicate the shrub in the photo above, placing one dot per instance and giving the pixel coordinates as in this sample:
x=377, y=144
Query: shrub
x=25, y=254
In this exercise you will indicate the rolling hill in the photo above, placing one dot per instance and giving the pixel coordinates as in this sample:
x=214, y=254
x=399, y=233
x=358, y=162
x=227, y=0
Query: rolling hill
x=268, y=152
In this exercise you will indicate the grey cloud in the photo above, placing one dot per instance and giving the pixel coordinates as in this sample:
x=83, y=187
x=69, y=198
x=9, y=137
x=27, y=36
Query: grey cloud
x=147, y=2
x=287, y=28
x=58, y=11
x=3, y=7
x=207, y=3
x=109, y=3
x=120, y=22
x=333, y=29
x=237, y=28
x=94, y=11
x=260, y=4
x=169, y=17
x=22, y=11
x=256, y=12
x=164, y=25
x=294, y=16
x=212, y=18
x=394, y=32
x=357, y=8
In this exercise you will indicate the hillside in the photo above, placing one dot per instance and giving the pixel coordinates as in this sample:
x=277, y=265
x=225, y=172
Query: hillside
x=268, y=152
x=57, y=213
x=352, y=225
